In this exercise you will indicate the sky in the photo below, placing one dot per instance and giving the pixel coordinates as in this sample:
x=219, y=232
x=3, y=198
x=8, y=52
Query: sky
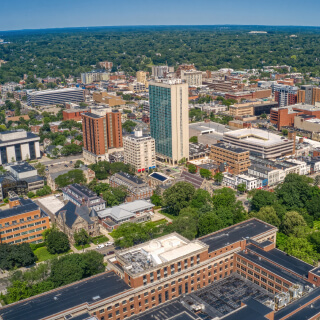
x=42, y=14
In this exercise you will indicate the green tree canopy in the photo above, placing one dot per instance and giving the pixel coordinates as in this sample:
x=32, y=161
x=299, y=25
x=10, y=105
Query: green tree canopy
x=57, y=242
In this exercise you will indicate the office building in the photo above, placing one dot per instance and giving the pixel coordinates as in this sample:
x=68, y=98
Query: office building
x=234, y=273
x=260, y=143
x=192, y=77
x=102, y=130
x=285, y=116
x=73, y=114
x=59, y=96
x=285, y=95
x=107, y=98
x=169, y=120
x=18, y=145
x=94, y=76
x=137, y=188
x=137, y=87
x=139, y=151
x=236, y=158
x=24, y=221
x=255, y=108
x=308, y=94
x=82, y=196
x=184, y=67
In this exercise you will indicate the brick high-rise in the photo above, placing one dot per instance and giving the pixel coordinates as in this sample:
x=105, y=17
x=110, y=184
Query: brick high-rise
x=102, y=130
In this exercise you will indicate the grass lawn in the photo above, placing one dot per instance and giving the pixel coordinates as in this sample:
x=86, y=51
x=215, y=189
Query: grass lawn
x=43, y=254
x=100, y=239
x=80, y=246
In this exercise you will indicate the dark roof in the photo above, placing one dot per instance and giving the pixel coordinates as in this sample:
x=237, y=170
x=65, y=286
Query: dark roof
x=82, y=189
x=103, y=286
x=72, y=212
x=229, y=147
x=172, y=310
x=158, y=176
x=26, y=205
x=29, y=136
x=273, y=268
x=192, y=178
x=92, y=115
x=84, y=316
x=308, y=312
x=23, y=167
x=32, y=179
x=297, y=304
x=130, y=177
x=253, y=310
x=281, y=258
x=250, y=228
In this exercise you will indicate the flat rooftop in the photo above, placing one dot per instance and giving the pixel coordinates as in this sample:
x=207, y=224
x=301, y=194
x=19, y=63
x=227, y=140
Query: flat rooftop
x=256, y=137
x=26, y=205
x=64, y=90
x=228, y=147
x=297, y=304
x=172, y=310
x=208, y=127
x=22, y=167
x=87, y=291
x=300, y=106
x=273, y=268
x=247, y=229
x=156, y=252
x=281, y=258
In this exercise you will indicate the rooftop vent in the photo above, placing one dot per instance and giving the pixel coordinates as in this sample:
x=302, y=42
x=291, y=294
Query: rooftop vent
x=95, y=297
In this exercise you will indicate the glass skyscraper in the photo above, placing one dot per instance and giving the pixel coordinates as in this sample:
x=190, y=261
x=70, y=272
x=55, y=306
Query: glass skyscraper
x=169, y=119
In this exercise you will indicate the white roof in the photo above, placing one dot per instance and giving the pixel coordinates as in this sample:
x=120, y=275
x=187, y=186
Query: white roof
x=51, y=203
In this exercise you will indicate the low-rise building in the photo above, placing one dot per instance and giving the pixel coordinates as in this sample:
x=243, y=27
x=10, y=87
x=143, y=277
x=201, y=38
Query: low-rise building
x=234, y=180
x=156, y=179
x=136, y=211
x=72, y=218
x=82, y=196
x=24, y=221
x=137, y=188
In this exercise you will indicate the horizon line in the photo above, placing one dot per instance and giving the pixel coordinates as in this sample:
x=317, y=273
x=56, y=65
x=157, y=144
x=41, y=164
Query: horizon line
x=163, y=25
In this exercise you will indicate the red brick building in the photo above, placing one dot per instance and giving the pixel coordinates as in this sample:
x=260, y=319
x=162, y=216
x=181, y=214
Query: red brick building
x=284, y=117
x=73, y=114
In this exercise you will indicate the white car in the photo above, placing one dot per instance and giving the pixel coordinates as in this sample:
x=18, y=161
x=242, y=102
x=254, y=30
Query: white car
x=100, y=246
x=110, y=243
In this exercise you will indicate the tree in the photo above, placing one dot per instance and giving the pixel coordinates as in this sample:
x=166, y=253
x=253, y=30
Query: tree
x=156, y=200
x=78, y=164
x=242, y=187
x=285, y=132
x=205, y=173
x=41, y=169
x=262, y=198
x=178, y=197
x=314, y=239
x=17, y=291
x=208, y=223
x=200, y=198
x=218, y=177
x=263, y=116
x=192, y=168
x=30, y=194
x=193, y=139
x=301, y=249
x=57, y=242
x=73, y=176
x=267, y=214
x=44, y=191
x=81, y=237
x=129, y=125
x=291, y=220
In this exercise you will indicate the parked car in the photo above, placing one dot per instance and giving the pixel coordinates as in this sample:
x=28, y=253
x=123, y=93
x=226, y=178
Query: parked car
x=110, y=243
x=110, y=252
x=100, y=246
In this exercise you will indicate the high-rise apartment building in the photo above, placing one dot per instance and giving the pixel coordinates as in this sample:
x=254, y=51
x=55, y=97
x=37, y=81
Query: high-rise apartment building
x=285, y=95
x=192, y=77
x=102, y=130
x=309, y=95
x=169, y=120
x=142, y=77
x=139, y=151
x=93, y=76
x=161, y=71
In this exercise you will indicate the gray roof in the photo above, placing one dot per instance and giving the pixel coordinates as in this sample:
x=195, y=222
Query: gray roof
x=72, y=212
x=22, y=167
x=26, y=205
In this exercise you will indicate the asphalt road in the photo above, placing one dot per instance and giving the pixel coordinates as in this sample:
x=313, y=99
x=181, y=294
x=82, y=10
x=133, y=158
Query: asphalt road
x=105, y=250
x=61, y=160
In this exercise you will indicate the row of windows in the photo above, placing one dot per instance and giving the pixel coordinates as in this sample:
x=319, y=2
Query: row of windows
x=24, y=233
x=23, y=227
x=14, y=222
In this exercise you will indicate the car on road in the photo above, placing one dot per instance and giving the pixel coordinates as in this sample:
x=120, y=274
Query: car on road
x=110, y=243
x=100, y=246
x=110, y=252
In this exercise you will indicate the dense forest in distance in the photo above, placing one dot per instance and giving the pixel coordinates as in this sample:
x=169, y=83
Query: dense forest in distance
x=64, y=52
